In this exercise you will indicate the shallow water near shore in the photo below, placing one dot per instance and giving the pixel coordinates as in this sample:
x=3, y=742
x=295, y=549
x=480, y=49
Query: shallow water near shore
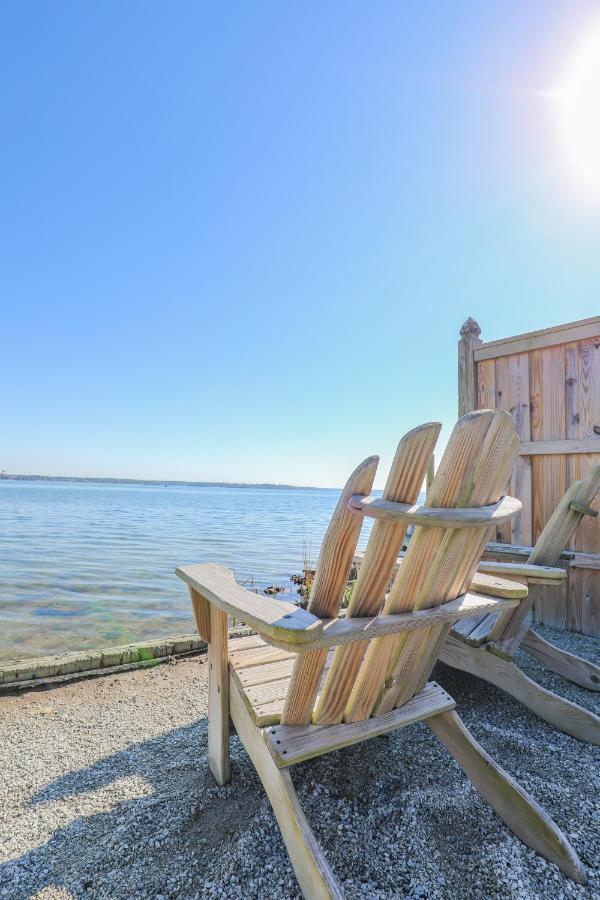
x=85, y=564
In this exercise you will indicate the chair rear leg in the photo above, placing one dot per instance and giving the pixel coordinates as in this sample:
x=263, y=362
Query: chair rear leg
x=514, y=805
x=314, y=874
x=580, y=671
x=569, y=717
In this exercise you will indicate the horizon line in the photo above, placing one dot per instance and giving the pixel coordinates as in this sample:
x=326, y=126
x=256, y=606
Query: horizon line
x=5, y=476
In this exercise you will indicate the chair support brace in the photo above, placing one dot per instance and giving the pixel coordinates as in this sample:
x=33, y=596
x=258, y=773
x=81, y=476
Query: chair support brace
x=442, y=517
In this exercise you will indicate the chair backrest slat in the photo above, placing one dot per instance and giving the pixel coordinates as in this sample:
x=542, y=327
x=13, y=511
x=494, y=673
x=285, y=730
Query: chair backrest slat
x=372, y=676
x=331, y=576
x=563, y=522
x=439, y=563
x=385, y=541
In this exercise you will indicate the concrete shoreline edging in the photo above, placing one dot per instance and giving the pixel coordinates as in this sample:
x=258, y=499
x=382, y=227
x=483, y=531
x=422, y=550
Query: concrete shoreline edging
x=29, y=672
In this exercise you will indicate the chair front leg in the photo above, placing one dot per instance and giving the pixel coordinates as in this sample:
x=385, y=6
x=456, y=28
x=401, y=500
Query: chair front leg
x=218, y=697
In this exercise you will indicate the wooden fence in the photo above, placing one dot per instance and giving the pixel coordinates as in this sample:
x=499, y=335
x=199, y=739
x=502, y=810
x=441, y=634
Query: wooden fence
x=549, y=381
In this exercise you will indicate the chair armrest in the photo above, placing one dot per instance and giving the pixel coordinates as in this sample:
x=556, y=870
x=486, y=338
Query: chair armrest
x=346, y=630
x=532, y=574
x=271, y=618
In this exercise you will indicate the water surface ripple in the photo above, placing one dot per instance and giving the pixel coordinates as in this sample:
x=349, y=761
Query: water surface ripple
x=90, y=564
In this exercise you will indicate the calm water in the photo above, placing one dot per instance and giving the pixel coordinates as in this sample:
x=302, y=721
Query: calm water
x=88, y=565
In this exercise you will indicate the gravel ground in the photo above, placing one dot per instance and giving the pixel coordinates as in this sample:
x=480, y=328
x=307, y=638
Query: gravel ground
x=106, y=793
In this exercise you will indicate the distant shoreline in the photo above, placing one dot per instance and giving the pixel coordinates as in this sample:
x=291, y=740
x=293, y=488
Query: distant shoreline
x=159, y=482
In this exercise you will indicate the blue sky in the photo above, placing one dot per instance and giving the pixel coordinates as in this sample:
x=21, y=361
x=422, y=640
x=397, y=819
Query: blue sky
x=238, y=240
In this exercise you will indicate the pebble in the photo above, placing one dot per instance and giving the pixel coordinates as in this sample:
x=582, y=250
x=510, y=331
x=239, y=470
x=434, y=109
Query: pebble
x=107, y=799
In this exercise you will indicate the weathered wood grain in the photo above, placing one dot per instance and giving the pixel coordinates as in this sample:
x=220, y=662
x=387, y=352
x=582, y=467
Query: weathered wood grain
x=438, y=517
x=545, y=337
x=314, y=874
x=516, y=807
x=437, y=561
x=562, y=714
x=267, y=615
x=403, y=484
x=331, y=576
x=289, y=744
x=218, y=697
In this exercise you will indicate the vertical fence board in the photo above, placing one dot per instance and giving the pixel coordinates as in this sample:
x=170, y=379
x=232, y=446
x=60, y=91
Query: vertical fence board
x=552, y=389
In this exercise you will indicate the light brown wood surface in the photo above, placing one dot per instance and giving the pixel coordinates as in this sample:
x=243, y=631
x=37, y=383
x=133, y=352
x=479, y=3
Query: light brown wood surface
x=473, y=471
x=269, y=616
x=516, y=807
x=403, y=484
x=291, y=744
x=201, y=609
x=331, y=577
x=476, y=517
x=562, y=714
x=549, y=380
x=313, y=872
x=218, y=697
x=578, y=670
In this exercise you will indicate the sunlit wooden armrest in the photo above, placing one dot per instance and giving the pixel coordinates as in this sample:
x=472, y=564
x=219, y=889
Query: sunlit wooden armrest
x=532, y=574
x=277, y=622
x=346, y=630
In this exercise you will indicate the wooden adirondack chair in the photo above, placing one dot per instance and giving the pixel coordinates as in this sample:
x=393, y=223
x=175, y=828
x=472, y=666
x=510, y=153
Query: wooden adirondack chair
x=292, y=696
x=485, y=644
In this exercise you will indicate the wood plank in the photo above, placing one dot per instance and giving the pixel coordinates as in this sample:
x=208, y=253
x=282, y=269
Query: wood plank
x=310, y=864
x=201, y=609
x=329, y=584
x=476, y=517
x=525, y=570
x=258, y=656
x=549, y=472
x=348, y=630
x=403, y=484
x=247, y=642
x=218, y=698
x=504, y=551
x=480, y=634
x=486, y=384
x=580, y=671
x=290, y=744
x=504, y=531
x=251, y=676
x=534, y=340
x=481, y=582
x=265, y=696
x=519, y=408
x=491, y=470
x=480, y=452
x=267, y=615
x=561, y=713
x=514, y=805
x=585, y=561
x=467, y=372
x=464, y=627
x=559, y=447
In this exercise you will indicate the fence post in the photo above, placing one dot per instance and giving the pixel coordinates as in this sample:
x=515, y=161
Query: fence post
x=467, y=373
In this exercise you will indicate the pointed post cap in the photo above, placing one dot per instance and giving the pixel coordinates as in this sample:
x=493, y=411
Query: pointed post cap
x=470, y=327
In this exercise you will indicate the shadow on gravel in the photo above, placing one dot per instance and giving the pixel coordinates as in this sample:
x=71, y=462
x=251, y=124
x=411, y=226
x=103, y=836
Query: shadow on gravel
x=182, y=815
x=400, y=798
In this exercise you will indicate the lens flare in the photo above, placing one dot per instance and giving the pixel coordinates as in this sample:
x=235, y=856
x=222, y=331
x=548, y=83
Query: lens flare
x=578, y=97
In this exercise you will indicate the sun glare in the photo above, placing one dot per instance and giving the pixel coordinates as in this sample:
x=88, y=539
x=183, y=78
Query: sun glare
x=578, y=97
